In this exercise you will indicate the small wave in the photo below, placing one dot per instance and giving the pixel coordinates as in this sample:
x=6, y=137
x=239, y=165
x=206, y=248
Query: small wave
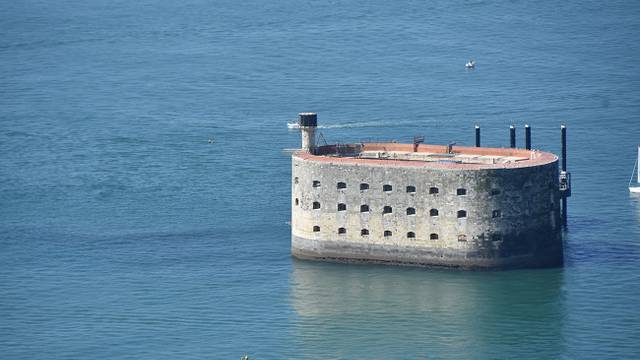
x=364, y=124
x=380, y=123
x=360, y=124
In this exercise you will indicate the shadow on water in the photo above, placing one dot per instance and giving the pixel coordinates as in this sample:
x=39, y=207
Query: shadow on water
x=453, y=314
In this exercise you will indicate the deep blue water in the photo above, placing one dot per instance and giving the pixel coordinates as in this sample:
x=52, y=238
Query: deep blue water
x=125, y=234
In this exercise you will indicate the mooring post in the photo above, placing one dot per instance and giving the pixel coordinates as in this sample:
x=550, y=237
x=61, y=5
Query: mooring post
x=512, y=136
x=477, y=136
x=527, y=137
x=563, y=131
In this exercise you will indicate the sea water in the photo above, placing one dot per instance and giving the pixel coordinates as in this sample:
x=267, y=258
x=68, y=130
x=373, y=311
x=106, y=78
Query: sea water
x=126, y=234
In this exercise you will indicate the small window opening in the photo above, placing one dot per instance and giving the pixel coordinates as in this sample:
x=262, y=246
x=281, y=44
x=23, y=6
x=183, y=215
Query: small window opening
x=411, y=211
x=387, y=233
x=462, y=237
x=496, y=213
x=316, y=205
x=462, y=214
x=342, y=230
x=297, y=202
x=461, y=191
x=364, y=208
x=433, y=212
x=342, y=207
x=364, y=232
x=342, y=185
x=495, y=192
x=433, y=236
x=387, y=188
x=295, y=180
x=316, y=183
x=316, y=228
x=411, y=189
x=433, y=190
x=496, y=237
x=411, y=235
x=364, y=186
x=387, y=210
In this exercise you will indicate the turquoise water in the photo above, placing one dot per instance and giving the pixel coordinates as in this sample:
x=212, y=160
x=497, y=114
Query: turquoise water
x=125, y=234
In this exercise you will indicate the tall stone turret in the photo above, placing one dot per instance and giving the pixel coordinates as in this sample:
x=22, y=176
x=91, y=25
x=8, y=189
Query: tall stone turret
x=308, y=123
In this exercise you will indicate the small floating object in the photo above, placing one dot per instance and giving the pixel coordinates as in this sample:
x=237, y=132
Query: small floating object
x=470, y=64
x=211, y=140
x=635, y=189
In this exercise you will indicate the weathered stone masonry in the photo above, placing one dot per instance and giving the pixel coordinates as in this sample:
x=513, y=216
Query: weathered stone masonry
x=425, y=205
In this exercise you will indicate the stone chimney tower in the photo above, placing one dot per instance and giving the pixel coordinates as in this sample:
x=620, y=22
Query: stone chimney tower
x=308, y=123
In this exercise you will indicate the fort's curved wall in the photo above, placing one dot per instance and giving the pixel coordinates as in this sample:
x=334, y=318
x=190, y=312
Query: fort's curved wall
x=512, y=214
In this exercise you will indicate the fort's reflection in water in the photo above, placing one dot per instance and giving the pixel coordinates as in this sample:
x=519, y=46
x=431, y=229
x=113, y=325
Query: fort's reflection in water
x=348, y=311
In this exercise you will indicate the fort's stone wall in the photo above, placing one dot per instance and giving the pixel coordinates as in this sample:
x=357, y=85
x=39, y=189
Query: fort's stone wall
x=512, y=214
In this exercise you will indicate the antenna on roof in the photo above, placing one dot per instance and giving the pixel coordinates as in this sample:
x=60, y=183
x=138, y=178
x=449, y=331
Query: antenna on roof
x=417, y=139
x=450, y=147
x=321, y=136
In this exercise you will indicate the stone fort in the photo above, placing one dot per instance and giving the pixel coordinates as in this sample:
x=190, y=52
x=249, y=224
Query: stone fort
x=425, y=205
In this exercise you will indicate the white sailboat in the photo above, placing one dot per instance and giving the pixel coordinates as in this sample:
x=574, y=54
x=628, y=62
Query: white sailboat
x=635, y=189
